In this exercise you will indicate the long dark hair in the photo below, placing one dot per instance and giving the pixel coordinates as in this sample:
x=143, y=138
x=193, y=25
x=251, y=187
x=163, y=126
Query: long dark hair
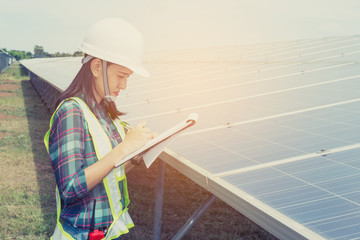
x=83, y=84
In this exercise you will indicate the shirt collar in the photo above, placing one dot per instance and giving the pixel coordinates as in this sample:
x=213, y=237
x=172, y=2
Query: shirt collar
x=92, y=102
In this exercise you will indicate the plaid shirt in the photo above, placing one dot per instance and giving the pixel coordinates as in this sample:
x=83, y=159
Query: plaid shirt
x=71, y=150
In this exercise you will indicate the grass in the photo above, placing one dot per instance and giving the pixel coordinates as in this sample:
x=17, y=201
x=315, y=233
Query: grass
x=26, y=184
x=27, y=201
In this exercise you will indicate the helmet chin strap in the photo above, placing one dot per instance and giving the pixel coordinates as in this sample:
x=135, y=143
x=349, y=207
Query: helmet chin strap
x=108, y=97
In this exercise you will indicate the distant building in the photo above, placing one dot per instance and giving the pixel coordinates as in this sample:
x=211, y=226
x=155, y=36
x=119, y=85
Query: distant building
x=5, y=60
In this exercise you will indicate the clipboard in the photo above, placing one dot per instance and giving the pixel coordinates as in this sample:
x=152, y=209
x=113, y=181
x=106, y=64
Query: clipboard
x=152, y=149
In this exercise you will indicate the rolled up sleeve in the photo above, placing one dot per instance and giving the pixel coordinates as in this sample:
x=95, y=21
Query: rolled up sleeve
x=66, y=144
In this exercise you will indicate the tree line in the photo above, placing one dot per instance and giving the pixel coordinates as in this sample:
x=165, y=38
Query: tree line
x=39, y=53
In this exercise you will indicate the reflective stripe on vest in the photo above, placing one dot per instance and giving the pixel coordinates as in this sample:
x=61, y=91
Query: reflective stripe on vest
x=121, y=218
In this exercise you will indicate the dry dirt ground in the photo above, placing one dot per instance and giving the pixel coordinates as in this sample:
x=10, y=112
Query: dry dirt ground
x=6, y=90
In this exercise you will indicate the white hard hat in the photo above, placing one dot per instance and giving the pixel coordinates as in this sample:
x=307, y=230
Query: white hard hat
x=115, y=40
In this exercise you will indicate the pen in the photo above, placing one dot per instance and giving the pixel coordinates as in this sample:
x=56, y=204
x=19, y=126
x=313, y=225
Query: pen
x=136, y=160
x=126, y=126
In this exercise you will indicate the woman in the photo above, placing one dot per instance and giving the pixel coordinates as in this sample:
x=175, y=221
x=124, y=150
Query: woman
x=86, y=138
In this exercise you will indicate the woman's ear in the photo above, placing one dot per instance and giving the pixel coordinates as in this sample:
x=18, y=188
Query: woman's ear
x=96, y=67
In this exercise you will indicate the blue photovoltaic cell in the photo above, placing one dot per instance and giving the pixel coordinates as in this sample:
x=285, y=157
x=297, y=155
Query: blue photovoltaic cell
x=310, y=191
x=278, y=121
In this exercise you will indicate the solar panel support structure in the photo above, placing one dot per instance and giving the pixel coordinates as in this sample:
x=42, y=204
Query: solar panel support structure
x=47, y=92
x=194, y=218
x=159, y=202
x=158, y=209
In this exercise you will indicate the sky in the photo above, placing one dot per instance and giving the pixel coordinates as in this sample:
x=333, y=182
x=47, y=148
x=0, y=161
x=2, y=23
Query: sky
x=59, y=26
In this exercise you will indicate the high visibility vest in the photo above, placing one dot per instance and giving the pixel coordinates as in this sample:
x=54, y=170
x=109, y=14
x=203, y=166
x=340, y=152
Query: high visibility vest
x=121, y=219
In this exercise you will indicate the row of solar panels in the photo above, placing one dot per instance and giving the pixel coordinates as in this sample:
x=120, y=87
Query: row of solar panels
x=278, y=137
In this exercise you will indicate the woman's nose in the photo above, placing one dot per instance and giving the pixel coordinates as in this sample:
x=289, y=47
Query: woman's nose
x=123, y=84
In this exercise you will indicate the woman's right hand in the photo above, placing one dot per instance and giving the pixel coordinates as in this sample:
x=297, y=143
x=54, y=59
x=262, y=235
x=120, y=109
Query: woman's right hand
x=137, y=137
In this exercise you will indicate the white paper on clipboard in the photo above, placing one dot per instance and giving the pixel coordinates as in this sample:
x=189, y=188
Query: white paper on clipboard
x=154, y=147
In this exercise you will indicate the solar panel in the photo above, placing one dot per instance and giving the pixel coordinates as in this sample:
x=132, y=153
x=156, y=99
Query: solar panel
x=59, y=72
x=278, y=136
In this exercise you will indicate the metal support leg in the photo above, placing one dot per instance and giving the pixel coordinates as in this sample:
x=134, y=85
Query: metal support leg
x=159, y=202
x=194, y=218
